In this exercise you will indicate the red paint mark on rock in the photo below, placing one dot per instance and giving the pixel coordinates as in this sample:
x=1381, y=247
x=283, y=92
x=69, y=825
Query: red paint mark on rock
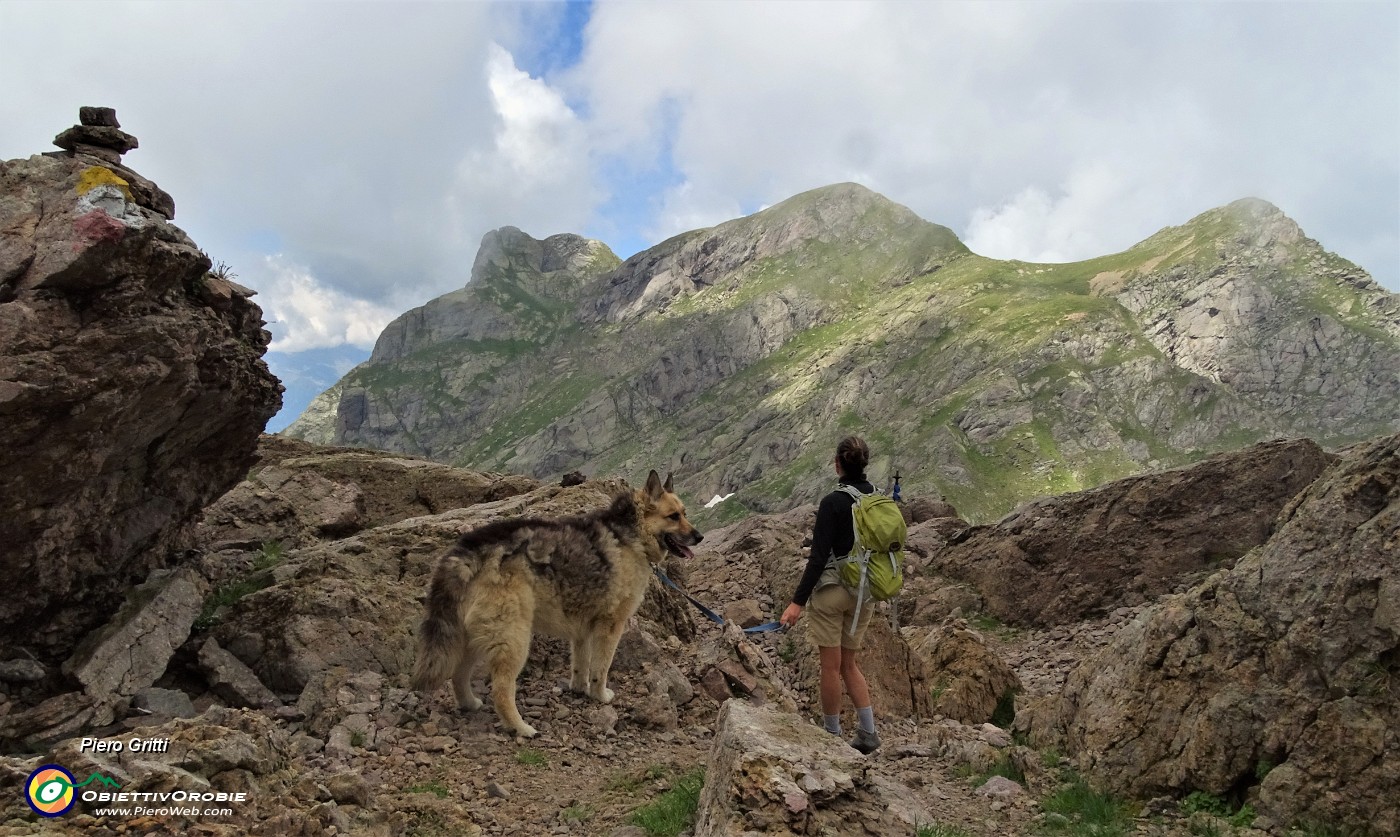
x=796, y=801
x=97, y=227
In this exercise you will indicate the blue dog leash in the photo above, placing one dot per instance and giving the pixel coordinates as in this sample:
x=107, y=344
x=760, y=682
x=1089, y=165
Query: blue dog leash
x=713, y=617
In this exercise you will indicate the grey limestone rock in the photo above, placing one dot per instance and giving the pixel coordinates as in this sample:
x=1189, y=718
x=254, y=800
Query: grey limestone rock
x=132, y=650
x=1280, y=671
x=132, y=392
x=234, y=683
x=772, y=772
x=167, y=703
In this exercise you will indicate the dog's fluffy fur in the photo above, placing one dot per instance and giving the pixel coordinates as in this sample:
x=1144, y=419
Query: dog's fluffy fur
x=578, y=578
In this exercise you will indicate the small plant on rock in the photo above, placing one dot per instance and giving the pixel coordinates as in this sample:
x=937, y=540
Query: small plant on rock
x=673, y=811
x=1202, y=801
x=534, y=758
x=576, y=814
x=1077, y=808
x=437, y=789
x=223, y=271
x=1217, y=807
x=268, y=556
x=1263, y=768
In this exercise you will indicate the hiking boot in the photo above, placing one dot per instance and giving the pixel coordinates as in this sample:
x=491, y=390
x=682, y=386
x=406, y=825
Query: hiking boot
x=866, y=742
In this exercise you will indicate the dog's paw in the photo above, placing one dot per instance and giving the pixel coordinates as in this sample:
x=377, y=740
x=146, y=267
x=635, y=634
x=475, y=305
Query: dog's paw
x=471, y=704
x=526, y=731
x=605, y=696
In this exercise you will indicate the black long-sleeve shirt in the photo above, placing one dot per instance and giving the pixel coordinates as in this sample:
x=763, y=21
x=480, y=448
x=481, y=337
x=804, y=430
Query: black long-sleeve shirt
x=833, y=534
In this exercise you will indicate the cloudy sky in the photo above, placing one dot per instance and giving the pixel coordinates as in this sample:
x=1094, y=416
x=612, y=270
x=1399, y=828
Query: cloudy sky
x=345, y=158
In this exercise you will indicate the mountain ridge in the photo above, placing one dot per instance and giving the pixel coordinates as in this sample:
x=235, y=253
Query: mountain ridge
x=735, y=355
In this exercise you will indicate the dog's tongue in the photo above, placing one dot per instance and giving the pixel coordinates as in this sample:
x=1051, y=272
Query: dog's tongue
x=674, y=545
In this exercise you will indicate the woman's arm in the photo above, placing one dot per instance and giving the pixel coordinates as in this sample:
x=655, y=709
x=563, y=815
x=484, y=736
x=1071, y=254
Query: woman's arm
x=820, y=554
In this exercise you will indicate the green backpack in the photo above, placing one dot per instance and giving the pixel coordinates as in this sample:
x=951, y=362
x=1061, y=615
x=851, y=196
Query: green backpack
x=875, y=567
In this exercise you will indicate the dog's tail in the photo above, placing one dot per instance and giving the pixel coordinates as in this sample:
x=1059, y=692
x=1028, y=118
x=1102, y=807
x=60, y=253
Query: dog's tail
x=443, y=633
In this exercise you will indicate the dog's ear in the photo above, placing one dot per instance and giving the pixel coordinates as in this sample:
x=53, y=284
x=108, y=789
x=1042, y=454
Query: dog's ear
x=667, y=486
x=654, y=488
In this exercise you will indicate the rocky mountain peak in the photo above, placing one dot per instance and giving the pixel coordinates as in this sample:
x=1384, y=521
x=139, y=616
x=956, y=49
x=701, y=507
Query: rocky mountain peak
x=730, y=354
x=837, y=202
x=844, y=221
x=828, y=213
x=1263, y=225
x=520, y=287
x=509, y=247
x=1252, y=225
x=1255, y=209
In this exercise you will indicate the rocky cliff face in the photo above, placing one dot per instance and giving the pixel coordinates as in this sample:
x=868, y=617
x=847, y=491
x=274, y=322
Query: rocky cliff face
x=1278, y=673
x=458, y=362
x=132, y=389
x=1251, y=303
x=736, y=356
x=1068, y=558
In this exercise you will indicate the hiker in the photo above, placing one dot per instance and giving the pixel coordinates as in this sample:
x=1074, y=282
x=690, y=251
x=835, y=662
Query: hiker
x=831, y=607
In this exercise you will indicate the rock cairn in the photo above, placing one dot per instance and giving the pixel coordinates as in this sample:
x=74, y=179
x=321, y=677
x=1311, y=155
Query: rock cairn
x=98, y=133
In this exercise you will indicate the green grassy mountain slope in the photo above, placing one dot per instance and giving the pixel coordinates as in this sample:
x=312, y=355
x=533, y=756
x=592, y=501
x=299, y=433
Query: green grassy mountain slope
x=736, y=356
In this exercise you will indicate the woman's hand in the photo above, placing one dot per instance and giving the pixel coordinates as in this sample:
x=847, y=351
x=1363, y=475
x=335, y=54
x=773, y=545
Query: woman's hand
x=789, y=617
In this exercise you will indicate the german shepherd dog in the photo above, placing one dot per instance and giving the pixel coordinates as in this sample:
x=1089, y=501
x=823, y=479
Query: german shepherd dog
x=578, y=578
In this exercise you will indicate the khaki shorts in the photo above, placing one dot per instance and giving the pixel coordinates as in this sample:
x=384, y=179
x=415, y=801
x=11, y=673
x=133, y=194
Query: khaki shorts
x=829, y=613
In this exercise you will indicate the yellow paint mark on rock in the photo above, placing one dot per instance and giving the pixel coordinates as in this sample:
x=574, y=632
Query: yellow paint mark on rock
x=94, y=176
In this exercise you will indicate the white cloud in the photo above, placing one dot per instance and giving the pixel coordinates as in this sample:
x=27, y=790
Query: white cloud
x=535, y=173
x=305, y=313
x=684, y=209
x=1041, y=130
x=1095, y=212
x=374, y=143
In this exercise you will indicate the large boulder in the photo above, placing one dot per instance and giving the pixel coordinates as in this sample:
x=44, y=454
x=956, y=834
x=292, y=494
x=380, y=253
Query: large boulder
x=1285, y=668
x=970, y=680
x=771, y=772
x=128, y=653
x=357, y=602
x=298, y=494
x=132, y=390
x=1070, y=557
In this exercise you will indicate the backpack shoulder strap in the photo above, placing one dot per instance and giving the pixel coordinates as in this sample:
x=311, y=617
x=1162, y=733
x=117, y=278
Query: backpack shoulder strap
x=855, y=493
